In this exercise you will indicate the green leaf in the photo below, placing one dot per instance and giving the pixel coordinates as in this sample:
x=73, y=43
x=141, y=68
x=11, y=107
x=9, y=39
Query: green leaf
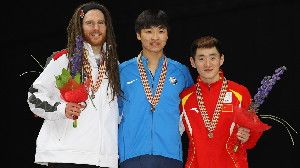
x=59, y=84
x=77, y=77
x=58, y=81
x=65, y=76
x=62, y=78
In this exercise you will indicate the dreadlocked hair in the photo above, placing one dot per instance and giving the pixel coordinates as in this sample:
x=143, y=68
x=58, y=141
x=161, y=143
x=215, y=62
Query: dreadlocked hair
x=111, y=57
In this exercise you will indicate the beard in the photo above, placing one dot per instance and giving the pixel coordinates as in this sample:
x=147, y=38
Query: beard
x=95, y=41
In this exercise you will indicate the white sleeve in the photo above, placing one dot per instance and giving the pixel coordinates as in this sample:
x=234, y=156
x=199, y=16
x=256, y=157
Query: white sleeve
x=44, y=97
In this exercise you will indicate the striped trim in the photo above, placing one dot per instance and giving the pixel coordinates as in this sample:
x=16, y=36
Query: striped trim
x=237, y=95
x=194, y=153
x=184, y=99
x=32, y=90
x=227, y=149
x=41, y=104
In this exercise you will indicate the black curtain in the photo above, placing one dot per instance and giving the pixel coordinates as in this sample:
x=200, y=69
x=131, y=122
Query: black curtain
x=258, y=36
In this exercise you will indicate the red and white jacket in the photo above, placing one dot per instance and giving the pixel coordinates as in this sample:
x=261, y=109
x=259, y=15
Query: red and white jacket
x=216, y=152
x=94, y=141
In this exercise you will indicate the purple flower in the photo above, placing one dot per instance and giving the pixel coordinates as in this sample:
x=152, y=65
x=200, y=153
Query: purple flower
x=76, y=59
x=266, y=86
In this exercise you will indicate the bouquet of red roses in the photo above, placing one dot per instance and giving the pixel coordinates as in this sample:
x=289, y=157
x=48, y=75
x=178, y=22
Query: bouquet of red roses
x=247, y=117
x=71, y=89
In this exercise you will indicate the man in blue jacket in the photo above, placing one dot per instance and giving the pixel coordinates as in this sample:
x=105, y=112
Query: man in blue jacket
x=149, y=134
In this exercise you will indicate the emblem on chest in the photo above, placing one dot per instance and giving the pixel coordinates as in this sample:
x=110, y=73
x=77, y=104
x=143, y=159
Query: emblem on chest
x=228, y=97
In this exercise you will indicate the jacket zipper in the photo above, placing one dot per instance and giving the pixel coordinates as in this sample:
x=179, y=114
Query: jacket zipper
x=152, y=85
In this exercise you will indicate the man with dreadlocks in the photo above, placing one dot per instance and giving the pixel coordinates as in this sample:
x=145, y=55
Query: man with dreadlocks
x=149, y=135
x=91, y=52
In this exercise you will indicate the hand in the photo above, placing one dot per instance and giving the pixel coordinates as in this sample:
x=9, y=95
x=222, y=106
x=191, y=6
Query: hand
x=73, y=110
x=243, y=134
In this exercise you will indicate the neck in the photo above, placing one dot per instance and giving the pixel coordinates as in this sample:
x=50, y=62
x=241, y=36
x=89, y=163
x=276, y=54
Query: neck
x=210, y=80
x=153, y=58
x=96, y=49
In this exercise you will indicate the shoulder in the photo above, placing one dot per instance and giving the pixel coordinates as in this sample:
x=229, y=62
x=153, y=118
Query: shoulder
x=177, y=64
x=179, y=67
x=182, y=70
x=236, y=86
x=187, y=91
x=127, y=64
x=56, y=55
x=241, y=92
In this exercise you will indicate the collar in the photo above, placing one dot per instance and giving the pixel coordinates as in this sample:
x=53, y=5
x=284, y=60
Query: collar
x=146, y=61
x=91, y=56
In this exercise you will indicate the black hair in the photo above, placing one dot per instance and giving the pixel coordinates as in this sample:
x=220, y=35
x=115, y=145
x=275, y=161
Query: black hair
x=205, y=42
x=151, y=18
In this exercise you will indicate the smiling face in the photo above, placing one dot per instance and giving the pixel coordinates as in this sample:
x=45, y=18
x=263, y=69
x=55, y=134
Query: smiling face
x=153, y=40
x=207, y=61
x=94, y=28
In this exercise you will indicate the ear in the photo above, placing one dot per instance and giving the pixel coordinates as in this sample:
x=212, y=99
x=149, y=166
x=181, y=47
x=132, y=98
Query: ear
x=138, y=36
x=222, y=59
x=192, y=62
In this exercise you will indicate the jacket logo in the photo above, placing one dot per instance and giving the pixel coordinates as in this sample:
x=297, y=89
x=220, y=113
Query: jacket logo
x=228, y=97
x=130, y=82
x=173, y=80
x=195, y=109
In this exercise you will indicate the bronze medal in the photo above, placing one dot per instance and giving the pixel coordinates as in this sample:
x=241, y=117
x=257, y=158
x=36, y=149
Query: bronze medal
x=88, y=70
x=211, y=124
x=153, y=100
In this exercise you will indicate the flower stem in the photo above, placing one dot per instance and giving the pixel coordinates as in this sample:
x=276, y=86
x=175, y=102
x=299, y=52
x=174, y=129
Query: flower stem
x=75, y=123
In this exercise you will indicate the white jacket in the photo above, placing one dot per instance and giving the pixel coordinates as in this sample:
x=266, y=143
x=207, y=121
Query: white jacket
x=94, y=141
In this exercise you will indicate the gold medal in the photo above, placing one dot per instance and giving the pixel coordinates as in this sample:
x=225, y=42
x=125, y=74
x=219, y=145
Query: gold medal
x=210, y=135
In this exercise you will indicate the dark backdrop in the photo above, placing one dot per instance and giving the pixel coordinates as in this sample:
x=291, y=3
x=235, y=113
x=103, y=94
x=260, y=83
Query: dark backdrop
x=258, y=37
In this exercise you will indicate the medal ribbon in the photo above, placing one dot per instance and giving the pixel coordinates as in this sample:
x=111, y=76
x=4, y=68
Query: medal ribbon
x=153, y=100
x=88, y=70
x=211, y=125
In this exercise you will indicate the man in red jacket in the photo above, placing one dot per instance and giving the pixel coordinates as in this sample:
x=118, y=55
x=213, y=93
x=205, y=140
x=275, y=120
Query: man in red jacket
x=208, y=110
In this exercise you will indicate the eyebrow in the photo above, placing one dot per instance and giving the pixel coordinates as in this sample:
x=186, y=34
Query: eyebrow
x=202, y=55
x=154, y=27
x=213, y=54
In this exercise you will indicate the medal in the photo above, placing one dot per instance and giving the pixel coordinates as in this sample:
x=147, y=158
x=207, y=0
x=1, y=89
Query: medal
x=153, y=100
x=88, y=70
x=211, y=124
